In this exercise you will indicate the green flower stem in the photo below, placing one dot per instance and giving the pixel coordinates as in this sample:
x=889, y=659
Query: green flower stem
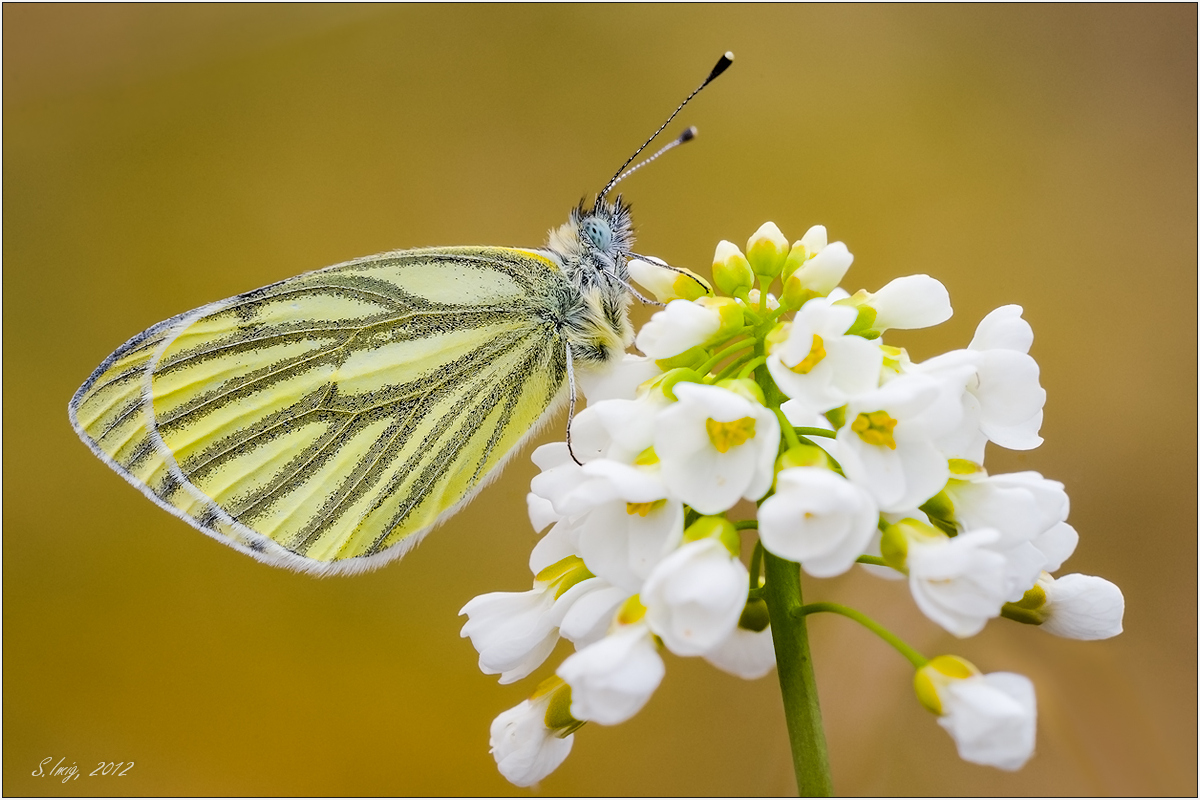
x=874, y=560
x=722, y=354
x=789, y=433
x=751, y=366
x=816, y=432
x=895, y=641
x=796, y=680
x=732, y=367
x=756, y=565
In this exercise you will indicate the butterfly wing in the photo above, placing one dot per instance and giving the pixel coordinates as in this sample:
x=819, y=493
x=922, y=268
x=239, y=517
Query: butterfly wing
x=327, y=422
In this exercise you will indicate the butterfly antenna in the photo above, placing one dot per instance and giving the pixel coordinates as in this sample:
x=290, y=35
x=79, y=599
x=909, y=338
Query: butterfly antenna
x=722, y=64
x=684, y=137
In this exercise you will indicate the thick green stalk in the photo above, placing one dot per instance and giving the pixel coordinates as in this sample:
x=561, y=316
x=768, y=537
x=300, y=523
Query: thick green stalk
x=796, y=680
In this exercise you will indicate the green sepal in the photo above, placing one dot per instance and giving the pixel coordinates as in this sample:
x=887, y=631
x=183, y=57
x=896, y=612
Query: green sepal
x=940, y=510
x=715, y=527
x=688, y=359
x=563, y=574
x=939, y=672
x=1029, y=609
x=558, y=713
x=755, y=616
x=666, y=382
x=803, y=455
x=836, y=417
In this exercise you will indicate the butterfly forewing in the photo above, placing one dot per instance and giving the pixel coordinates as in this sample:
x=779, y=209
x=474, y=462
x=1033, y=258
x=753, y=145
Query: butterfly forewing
x=327, y=421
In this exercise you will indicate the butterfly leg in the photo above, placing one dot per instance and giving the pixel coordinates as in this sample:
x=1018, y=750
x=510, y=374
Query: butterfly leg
x=632, y=290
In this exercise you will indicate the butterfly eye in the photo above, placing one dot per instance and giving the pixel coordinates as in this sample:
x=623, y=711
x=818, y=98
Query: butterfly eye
x=598, y=232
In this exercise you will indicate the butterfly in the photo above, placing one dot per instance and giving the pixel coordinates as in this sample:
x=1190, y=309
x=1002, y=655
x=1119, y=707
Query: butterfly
x=327, y=422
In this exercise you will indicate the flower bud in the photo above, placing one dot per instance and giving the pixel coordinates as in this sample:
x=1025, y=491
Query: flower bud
x=532, y=739
x=766, y=251
x=1074, y=606
x=668, y=283
x=731, y=270
x=992, y=718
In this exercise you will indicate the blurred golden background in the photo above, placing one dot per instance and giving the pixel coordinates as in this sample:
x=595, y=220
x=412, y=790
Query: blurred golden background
x=160, y=157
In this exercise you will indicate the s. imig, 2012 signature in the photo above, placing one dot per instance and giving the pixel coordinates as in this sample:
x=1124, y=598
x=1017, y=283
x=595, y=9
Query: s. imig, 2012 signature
x=116, y=769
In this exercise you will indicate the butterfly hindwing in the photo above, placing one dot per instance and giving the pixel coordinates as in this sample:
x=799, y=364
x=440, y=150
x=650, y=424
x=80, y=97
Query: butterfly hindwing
x=327, y=421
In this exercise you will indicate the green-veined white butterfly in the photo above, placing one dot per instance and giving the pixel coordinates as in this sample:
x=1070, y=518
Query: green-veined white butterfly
x=327, y=422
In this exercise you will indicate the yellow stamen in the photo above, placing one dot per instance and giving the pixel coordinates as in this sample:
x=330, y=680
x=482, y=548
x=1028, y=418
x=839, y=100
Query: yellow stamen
x=815, y=356
x=875, y=428
x=727, y=435
x=642, y=509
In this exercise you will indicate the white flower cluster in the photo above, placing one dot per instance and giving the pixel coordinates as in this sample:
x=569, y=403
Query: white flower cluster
x=853, y=453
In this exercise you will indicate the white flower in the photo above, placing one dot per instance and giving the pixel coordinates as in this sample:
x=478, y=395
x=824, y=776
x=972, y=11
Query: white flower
x=1023, y=507
x=992, y=718
x=612, y=679
x=632, y=523
x=680, y=326
x=695, y=597
x=818, y=519
x=886, y=445
x=1004, y=398
x=958, y=583
x=1081, y=607
x=818, y=364
x=514, y=632
x=526, y=749
x=716, y=447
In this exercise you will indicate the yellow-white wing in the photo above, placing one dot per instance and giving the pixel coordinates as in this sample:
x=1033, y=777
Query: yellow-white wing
x=325, y=423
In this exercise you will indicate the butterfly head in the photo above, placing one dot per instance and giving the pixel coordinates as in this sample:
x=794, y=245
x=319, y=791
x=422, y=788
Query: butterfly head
x=598, y=236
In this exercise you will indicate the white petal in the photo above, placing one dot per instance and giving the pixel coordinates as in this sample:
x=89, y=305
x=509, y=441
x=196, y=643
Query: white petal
x=1003, y=329
x=541, y=512
x=1057, y=544
x=589, y=617
x=557, y=544
x=746, y=654
x=815, y=239
x=824, y=271
x=1011, y=399
x=914, y=301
